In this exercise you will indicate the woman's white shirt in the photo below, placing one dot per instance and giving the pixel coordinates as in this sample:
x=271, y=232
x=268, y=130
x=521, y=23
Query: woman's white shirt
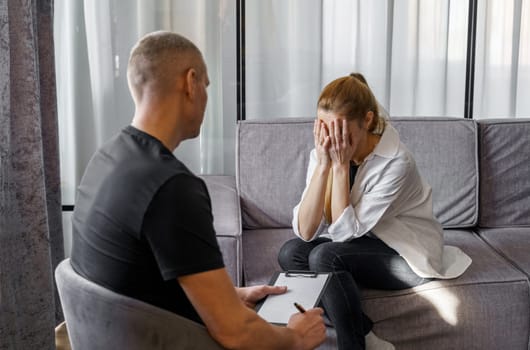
x=390, y=200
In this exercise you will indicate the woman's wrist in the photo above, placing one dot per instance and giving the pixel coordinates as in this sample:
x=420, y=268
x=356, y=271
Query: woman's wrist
x=323, y=168
x=341, y=167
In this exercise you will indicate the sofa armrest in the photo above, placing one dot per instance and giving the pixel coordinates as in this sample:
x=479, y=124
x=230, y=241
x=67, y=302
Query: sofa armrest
x=227, y=222
x=225, y=204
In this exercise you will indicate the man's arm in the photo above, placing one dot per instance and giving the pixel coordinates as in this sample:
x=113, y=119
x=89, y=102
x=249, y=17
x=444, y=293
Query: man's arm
x=235, y=326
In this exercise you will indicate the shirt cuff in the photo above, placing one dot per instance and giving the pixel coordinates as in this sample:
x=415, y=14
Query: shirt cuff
x=321, y=227
x=346, y=227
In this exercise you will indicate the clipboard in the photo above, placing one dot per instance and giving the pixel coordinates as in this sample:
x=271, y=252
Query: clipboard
x=303, y=287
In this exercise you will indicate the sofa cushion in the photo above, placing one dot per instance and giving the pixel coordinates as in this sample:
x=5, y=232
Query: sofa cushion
x=504, y=172
x=445, y=150
x=225, y=204
x=469, y=308
x=231, y=248
x=512, y=243
x=273, y=156
x=226, y=221
x=260, y=249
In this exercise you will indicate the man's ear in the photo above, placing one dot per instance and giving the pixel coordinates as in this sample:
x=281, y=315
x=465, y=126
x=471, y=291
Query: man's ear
x=369, y=120
x=191, y=80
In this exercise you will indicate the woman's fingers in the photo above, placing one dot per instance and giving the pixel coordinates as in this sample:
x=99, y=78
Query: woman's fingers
x=333, y=141
x=326, y=142
x=324, y=132
x=333, y=132
x=316, y=131
x=341, y=142
x=345, y=136
x=317, y=125
x=338, y=130
x=322, y=141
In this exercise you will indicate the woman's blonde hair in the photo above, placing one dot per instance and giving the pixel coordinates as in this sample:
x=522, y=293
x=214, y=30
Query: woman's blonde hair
x=351, y=97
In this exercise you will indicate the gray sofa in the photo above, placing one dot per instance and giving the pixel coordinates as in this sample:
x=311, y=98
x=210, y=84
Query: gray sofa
x=480, y=175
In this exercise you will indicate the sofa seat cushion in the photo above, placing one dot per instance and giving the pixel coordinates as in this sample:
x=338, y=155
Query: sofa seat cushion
x=260, y=252
x=512, y=243
x=470, y=308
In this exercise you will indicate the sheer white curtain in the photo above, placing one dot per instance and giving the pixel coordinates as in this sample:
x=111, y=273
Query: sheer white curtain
x=428, y=58
x=283, y=57
x=412, y=53
x=93, y=40
x=357, y=37
x=502, y=85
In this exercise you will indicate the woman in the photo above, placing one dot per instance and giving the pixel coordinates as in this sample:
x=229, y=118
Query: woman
x=365, y=214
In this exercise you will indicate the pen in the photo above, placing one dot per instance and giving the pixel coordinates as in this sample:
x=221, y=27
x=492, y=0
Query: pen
x=299, y=307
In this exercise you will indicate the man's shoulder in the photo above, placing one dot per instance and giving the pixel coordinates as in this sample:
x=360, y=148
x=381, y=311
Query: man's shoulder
x=139, y=154
x=185, y=183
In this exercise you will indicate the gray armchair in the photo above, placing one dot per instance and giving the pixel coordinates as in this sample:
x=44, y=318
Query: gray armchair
x=98, y=318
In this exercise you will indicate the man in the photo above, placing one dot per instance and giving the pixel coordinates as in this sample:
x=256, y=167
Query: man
x=143, y=224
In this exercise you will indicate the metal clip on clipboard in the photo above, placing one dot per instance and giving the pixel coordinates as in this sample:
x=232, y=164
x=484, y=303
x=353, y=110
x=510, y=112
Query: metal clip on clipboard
x=301, y=273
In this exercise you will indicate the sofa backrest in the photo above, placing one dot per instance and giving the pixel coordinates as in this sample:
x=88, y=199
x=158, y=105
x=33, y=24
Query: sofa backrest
x=446, y=153
x=272, y=159
x=504, y=172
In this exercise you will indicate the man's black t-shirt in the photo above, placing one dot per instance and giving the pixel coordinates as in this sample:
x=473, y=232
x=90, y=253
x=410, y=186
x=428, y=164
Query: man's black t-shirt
x=141, y=220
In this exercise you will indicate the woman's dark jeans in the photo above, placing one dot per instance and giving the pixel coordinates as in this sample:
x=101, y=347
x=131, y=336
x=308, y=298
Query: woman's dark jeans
x=365, y=262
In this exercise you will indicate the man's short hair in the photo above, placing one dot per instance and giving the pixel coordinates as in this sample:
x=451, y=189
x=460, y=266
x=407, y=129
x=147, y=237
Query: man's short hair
x=157, y=57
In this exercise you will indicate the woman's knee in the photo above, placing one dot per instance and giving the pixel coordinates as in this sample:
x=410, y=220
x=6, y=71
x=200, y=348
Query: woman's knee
x=290, y=253
x=323, y=258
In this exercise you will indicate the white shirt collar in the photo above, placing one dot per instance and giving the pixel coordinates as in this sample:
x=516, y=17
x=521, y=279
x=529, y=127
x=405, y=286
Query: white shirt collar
x=388, y=145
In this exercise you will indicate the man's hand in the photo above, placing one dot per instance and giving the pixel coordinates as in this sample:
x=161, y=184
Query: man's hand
x=251, y=295
x=310, y=328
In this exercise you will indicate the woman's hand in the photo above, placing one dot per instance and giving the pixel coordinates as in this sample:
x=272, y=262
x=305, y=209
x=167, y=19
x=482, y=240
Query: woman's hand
x=251, y=295
x=322, y=143
x=341, y=149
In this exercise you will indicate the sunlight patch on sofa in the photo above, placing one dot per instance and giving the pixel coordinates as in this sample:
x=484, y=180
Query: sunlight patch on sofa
x=446, y=303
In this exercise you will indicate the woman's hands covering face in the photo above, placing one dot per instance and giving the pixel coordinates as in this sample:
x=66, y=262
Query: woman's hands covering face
x=322, y=142
x=341, y=149
x=334, y=144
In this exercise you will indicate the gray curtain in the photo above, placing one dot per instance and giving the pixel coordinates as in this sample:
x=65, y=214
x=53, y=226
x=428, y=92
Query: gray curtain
x=31, y=242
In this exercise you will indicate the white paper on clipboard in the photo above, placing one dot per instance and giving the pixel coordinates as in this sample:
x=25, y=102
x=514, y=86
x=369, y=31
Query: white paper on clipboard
x=303, y=287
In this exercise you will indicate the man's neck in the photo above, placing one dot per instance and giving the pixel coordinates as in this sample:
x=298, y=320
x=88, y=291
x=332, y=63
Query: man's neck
x=156, y=116
x=159, y=128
